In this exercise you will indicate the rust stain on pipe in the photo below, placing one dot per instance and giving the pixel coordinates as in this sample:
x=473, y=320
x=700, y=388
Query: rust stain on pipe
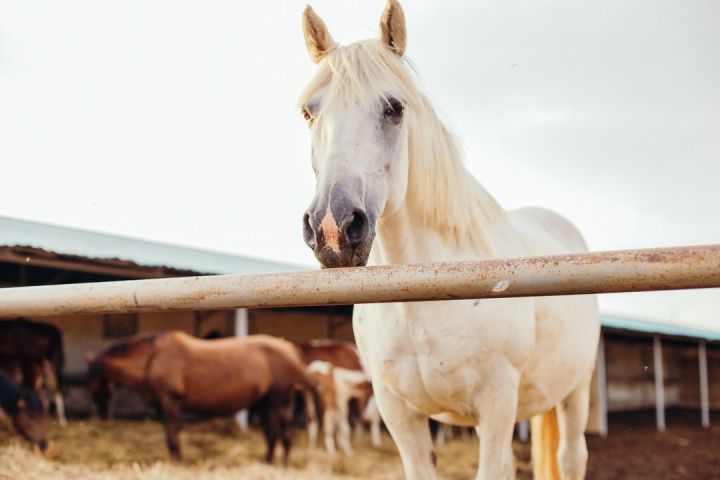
x=602, y=272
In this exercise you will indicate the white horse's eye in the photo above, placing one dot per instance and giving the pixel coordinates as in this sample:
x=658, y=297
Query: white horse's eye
x=393, y=109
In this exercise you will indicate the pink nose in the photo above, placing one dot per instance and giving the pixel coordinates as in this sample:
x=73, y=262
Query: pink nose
x=329, y=237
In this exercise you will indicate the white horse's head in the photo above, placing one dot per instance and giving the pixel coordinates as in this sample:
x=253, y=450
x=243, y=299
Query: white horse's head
x=356, y=107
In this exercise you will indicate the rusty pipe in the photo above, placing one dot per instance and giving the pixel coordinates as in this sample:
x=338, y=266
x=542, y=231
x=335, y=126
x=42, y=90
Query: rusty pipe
x=601, y=272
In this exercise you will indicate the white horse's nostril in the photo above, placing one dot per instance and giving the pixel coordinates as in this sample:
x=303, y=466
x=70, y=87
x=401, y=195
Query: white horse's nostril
x=356, y=227
x=308, y=232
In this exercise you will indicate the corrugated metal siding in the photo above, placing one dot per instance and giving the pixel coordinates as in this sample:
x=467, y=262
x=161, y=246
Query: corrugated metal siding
x=52, y=238
x=637, y=325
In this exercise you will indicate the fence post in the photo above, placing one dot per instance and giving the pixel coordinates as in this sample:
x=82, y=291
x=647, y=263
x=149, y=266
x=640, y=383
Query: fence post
x=523, y=430
x=704, y=395
x=241, y=330
x=659, y=383
x=602, y=388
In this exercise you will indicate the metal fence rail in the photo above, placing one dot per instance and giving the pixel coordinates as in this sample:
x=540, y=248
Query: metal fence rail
x=602, y=272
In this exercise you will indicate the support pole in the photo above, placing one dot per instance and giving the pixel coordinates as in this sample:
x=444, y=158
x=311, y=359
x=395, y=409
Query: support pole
x=523, y=431
x=241, y=322
x=241, y=330
x=659, y=384
x=704, y=391
x=602, y=388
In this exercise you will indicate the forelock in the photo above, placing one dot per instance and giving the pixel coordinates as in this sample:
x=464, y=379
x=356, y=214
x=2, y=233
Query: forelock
x=361, y=74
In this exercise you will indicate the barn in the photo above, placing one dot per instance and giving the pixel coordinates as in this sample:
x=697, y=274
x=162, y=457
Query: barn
x=40, y=254
x=645, y=365
x=642, y=365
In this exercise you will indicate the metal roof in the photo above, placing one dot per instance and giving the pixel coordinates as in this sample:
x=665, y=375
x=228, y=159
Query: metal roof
x=653, y=327
x=95, y=245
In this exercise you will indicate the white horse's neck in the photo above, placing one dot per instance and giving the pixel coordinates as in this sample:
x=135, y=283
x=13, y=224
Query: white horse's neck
x=403, y=237
x=466, y=221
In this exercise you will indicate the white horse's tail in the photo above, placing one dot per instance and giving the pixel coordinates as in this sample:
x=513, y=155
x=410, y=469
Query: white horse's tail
x=545, y=439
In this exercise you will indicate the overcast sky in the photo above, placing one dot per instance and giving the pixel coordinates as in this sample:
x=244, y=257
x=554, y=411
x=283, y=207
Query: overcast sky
x=176, y=121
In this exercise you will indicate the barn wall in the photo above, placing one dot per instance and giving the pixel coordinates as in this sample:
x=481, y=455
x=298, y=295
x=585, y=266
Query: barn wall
x=681, y=374
x=630, y=381
x=713, y=357
x=690, y=378
x=222, y=321
x=299, y=325
x=80, y=335
x=714, y=377
x=630, y=374
x=342, y=330
x=84, y=334
x=159, y=321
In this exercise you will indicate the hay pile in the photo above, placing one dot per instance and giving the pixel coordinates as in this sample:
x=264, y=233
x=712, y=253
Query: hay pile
x=135, y=450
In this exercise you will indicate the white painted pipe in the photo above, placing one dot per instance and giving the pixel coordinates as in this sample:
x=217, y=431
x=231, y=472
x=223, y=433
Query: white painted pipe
x=603, y=272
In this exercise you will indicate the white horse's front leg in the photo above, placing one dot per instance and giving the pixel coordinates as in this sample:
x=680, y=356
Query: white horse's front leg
x=497, y=407
x=411, y=433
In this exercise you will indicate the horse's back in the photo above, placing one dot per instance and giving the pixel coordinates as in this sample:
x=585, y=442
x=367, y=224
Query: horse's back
x=229, y=347
x=224, y=375
x=546, y=232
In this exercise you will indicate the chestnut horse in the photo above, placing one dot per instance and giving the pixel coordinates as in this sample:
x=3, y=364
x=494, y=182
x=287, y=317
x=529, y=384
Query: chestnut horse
x=340, y=354
x=180, y=373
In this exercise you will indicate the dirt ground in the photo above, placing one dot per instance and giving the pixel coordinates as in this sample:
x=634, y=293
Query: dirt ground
x=635, y=449
x=215, y=449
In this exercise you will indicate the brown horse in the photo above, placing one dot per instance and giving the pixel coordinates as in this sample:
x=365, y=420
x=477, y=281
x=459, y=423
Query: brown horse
x=26, y=410
x=38, y=350
x=340, y=354
x=180, y=373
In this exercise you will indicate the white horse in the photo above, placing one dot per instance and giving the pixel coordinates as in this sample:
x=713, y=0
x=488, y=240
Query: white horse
x=391, y=188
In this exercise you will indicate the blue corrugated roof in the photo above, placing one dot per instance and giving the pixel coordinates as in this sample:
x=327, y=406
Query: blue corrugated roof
x=72, y=241
x=637, y=325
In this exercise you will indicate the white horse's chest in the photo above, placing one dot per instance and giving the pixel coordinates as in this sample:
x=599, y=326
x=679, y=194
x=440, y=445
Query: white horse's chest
x=435, y=354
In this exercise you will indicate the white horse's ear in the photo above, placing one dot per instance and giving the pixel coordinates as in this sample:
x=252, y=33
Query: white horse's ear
x=392, y=27
x=317, y=38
